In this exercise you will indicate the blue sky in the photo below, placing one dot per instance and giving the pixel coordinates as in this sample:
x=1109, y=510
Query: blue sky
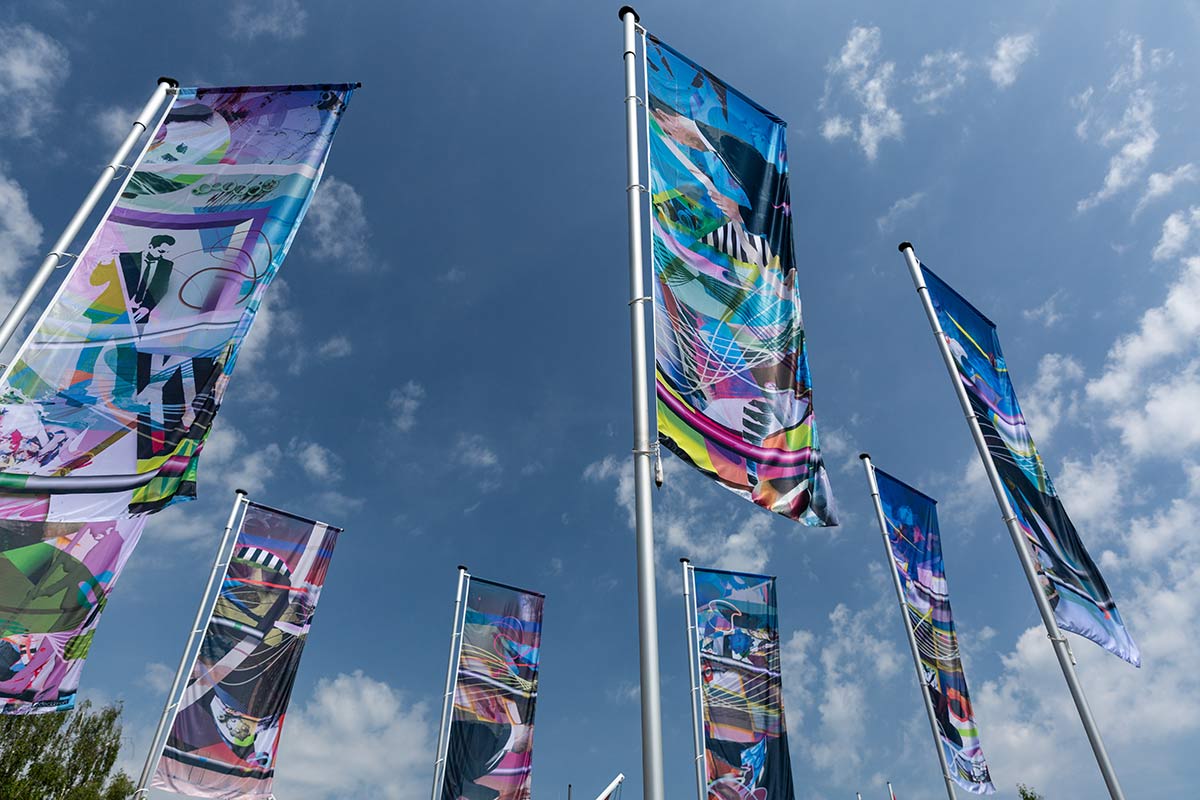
x=443, y=369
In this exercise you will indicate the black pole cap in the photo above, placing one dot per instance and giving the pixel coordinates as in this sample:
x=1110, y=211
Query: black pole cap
x=904, y=246
x=630, y=9
x=174, y=84
x=463, y=567
x=864, y=456
x=358, y=84
x=241, y=491
x=685, y=561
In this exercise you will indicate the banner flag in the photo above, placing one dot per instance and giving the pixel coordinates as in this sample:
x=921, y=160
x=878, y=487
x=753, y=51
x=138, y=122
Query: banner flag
x=490, y=752
x=916, y=545
x=106, y=406
x=745, y=738
x=1070, y=578
x=227, y=725
x=733, y=388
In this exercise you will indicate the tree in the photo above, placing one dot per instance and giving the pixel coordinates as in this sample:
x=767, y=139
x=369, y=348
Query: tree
x=1026, y=793
x=63, y=756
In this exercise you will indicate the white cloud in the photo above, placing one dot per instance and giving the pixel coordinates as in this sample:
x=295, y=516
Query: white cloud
x=32, y=66
x=404, y=402
x=228, y=454
x=1167, y=422
x=867, y=83
x=336, y=347
x=280, y=19
x=473, y=451
x=1161, y=184
x=115, y=122
x=318, y=462
x=20, y=234
x=1011, y=53
x=1176, y=231
x=1047, y=313
x=158, y=677
x=1052, y=394
x=356, y=737
x=337, y=224
x=1087, y=489
x=1138, y=137
x=897, y=210
x=939, y=76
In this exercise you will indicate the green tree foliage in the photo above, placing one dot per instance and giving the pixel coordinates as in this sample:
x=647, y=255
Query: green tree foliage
x=1025, y=793
x=62, y=756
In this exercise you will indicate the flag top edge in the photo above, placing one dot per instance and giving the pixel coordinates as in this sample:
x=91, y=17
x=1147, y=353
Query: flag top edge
x=906, y=485
x=509, y=586
x=292, y=514
x=956, y=293
x=196, y=91
x=767, y=112
x=734, y=572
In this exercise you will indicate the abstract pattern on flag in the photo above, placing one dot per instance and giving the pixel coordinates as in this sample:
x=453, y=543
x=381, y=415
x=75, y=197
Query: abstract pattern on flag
x=106, y=406
x=732, y=381
x=745, y=738
x=916, y=544
x=490, y=753
x=226, y=731
x=1069, y=577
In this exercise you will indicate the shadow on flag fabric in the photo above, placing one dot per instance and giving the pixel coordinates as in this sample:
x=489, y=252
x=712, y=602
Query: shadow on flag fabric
x=490, y=750
x=107, y=405
x=732, y=382
x=745, y=738
x=226, y=730
x=916, y=545
x=1070, y=578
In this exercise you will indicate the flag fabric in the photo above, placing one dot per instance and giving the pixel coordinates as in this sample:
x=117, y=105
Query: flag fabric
x=227, y=726
x=1069, y=577
x=490, y=750
x=745, y=738
x=107, y=404
x=733, y=388
x=916, y=546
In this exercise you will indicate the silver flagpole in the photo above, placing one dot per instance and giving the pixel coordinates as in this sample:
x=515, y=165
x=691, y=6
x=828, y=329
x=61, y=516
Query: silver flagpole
x=612, y=786
x=185, y=660
x=891, y=794
x=652, y=762
x=107, y=175
x=912, y=639
x=1061, y=649
x=443, y=742
x=697, y=699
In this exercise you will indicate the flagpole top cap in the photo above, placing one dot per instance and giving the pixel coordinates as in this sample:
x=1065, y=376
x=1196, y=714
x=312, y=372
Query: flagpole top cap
x=685, y=561
x=630, y=9
x=242, y=492
x=904, y=246
x=174, y=84
x=463, y=568
x=864, y=456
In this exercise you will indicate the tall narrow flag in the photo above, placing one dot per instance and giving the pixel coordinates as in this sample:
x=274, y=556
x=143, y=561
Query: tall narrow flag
x=745, y=738
x=107, y=404
x=1070, y=578
x=916, y=545
x=490, y=751
x=228, y=722
x=732, y=381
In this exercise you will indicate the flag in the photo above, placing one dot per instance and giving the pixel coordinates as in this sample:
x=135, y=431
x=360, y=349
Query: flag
x=490, y=750
x=228, y=722
x=745, y=738
x=733, y=388
x=1069, y=577
x=106, y=406
x=916, y=547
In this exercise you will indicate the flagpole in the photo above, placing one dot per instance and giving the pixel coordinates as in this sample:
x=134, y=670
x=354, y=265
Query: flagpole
x=608, y=790
x=443, y=742
x=652, y=766
x=1061, y=650
x=912, y=639
x=891, y=794
x=697, y=699
x=185, y=660
x=52, y=260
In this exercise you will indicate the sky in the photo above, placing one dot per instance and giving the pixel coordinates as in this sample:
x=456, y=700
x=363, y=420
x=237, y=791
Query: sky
x=443, y=366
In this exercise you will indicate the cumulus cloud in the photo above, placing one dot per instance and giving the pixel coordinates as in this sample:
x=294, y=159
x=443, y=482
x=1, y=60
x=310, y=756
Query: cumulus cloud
x=1161, y=184
x=898, y=209
x=20, y=235
x=864, y=80
x=1011, y=53
x=940, y=75
x=337, y=224
x=32, y=66
x=1176, y=231
x=335, y=347
x=228, y=453
x=319, y=463
x=277, y=19
x=1047, y=313
x=356, y=737
x=1052, y=395
x=403, y=403
x=1137, y=138
x=472, y=450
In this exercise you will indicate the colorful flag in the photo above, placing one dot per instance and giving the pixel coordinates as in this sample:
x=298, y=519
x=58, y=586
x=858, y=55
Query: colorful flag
x=734, y=390
x=226, y=729
x=745, y=738
x=1070, y=578
x=106, y=406
x=490, y=752
x=916, y=544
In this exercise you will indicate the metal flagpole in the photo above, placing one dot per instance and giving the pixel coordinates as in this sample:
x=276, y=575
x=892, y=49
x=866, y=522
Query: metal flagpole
x=912, y=639
x=697, y=699
x=107, y=175
x=443, y=743
x=611, y=787
x=652, y=766
x=1061, y=650
x=186, y=659
x=891, y=794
